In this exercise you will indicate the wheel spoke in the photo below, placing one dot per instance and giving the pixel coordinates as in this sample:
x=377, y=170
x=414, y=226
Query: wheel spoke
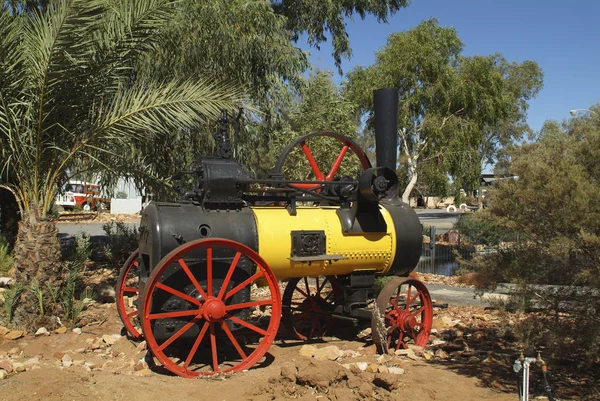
x=243, y=284
x=166, y=315
x=213, y=345
x=409, y=300
x=130, y=289
x=302, y=292
x=302, y=316
x=315, y=319
x=136, y=263
x=236, y=345
x=248, y=305
x=312, y=162
x=209, y=271
x=246, y=324
x=318, y=290
x=418, y=311
x=328, y=295
x=132, y=314
x=197, y=285
x=229, y=274
x=179, y=333
x=337, y=163
x=178, y=293
x=190, y=356
x=307, y=287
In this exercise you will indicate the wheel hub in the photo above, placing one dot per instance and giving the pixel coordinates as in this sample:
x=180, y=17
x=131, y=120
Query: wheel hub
x=213, y=310
x=404, y=321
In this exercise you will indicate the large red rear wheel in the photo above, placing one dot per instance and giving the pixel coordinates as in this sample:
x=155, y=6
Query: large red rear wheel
x=348, y=146
x=127, y=296
x=199, y=315
x=307, y=308
x=403, y=316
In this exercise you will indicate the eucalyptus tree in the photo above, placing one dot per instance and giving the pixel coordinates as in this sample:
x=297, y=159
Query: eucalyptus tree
x=454, y=110
x=67, y=95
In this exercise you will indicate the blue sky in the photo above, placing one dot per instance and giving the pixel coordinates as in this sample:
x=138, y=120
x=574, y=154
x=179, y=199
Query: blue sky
x=563, y=37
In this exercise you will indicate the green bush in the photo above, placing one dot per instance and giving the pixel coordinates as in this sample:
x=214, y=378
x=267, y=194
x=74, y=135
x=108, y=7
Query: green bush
x=6, y=260
x=122, y=241
x=478, y=231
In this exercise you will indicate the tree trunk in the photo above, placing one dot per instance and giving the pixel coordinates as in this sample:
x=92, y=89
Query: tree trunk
x=414, y=176
x=9, y=217
x=37, y=256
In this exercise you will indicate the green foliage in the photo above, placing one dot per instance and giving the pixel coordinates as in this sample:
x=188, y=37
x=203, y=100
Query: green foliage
x=68, y=90
x=76, y=265
x=479, y=231
x=39, y=295
x=455, y=112
x=554, y=205
x=7, y=261
x=11, y=300
x=122, y=240
x=121, y=195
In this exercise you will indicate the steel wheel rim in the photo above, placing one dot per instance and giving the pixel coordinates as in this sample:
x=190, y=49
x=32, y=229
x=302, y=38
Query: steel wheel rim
x=407, y=311
x=213, y=311
x=307, y=320
x=347, y=144
x=123, y=289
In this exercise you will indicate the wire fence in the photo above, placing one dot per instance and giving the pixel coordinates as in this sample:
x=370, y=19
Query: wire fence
x=441, y=251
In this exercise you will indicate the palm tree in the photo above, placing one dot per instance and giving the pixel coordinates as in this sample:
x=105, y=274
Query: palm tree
x=68, y=93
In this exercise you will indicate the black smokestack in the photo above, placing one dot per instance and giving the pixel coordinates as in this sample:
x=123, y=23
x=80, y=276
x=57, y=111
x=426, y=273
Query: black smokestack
x=386, y=127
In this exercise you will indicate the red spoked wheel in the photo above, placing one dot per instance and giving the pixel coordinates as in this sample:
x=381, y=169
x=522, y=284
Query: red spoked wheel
x=347, y=144
x=127, y=295
x=199, y=315
x=307, y=311
x=403, y=315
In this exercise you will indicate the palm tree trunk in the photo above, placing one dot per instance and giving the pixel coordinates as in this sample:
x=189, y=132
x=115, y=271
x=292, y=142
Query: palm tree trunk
x=37, y=256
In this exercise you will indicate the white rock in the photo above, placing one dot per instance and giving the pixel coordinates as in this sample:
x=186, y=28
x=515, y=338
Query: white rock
x=395, y=370
x=110, y=339
x=32, y=362
x=77, y=330
x=67, y=361
x=3, y=374
x=42, y=331
x=362, y=365
x=19, y=367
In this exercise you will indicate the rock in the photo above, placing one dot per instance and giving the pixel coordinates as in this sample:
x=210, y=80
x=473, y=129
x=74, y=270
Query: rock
x=395, y=370
x=59, y=355
x=144, y=372
x=288, y=372
x=14, y=351
x=383, y=358
x=106, y=294
x=4, y=331
x=382, y=369
x=3, y=374
x=354, y=381
x=416, y=349
x=330, y=353
x=77, y=330
x=478, y=336
x=61, y=330
x=350, y=354
x=365, y=390
x=364, y=333
x=6, y=365
x=14, y=334
x=441, y=354
x=94, y=343
x=6, y=281
x=66, y=360
x=32, y=362
x=141, y=346
x=320, y=375
x=362, y=366
x=42, y=331
x=307, y=350
x=110, y=339
x=19, y=367
x=388, y=381
x=428, y=355
x=373, y=368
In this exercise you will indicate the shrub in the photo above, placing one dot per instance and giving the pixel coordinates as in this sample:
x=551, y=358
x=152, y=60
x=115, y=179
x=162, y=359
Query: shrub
x=6, y=260
x=481, y=232
x=122, y=240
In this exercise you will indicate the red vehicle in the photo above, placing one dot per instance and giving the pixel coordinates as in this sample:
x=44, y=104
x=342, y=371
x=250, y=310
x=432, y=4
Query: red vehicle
x=83, y=195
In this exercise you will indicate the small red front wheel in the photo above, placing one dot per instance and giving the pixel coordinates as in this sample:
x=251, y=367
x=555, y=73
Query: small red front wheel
x=127, y=296
x=200, y=316
x=307, y=308
x=404, y=315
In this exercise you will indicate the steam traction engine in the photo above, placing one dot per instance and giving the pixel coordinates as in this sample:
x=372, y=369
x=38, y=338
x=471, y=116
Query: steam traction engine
x=206, y=291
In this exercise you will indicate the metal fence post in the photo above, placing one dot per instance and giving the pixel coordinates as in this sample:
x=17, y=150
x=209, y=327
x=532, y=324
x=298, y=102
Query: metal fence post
x=432, y=245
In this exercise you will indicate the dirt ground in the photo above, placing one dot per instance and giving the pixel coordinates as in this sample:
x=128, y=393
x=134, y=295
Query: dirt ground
x=469, y=357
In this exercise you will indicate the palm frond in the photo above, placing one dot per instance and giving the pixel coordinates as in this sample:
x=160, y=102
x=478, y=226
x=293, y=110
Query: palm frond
x=156, y=109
